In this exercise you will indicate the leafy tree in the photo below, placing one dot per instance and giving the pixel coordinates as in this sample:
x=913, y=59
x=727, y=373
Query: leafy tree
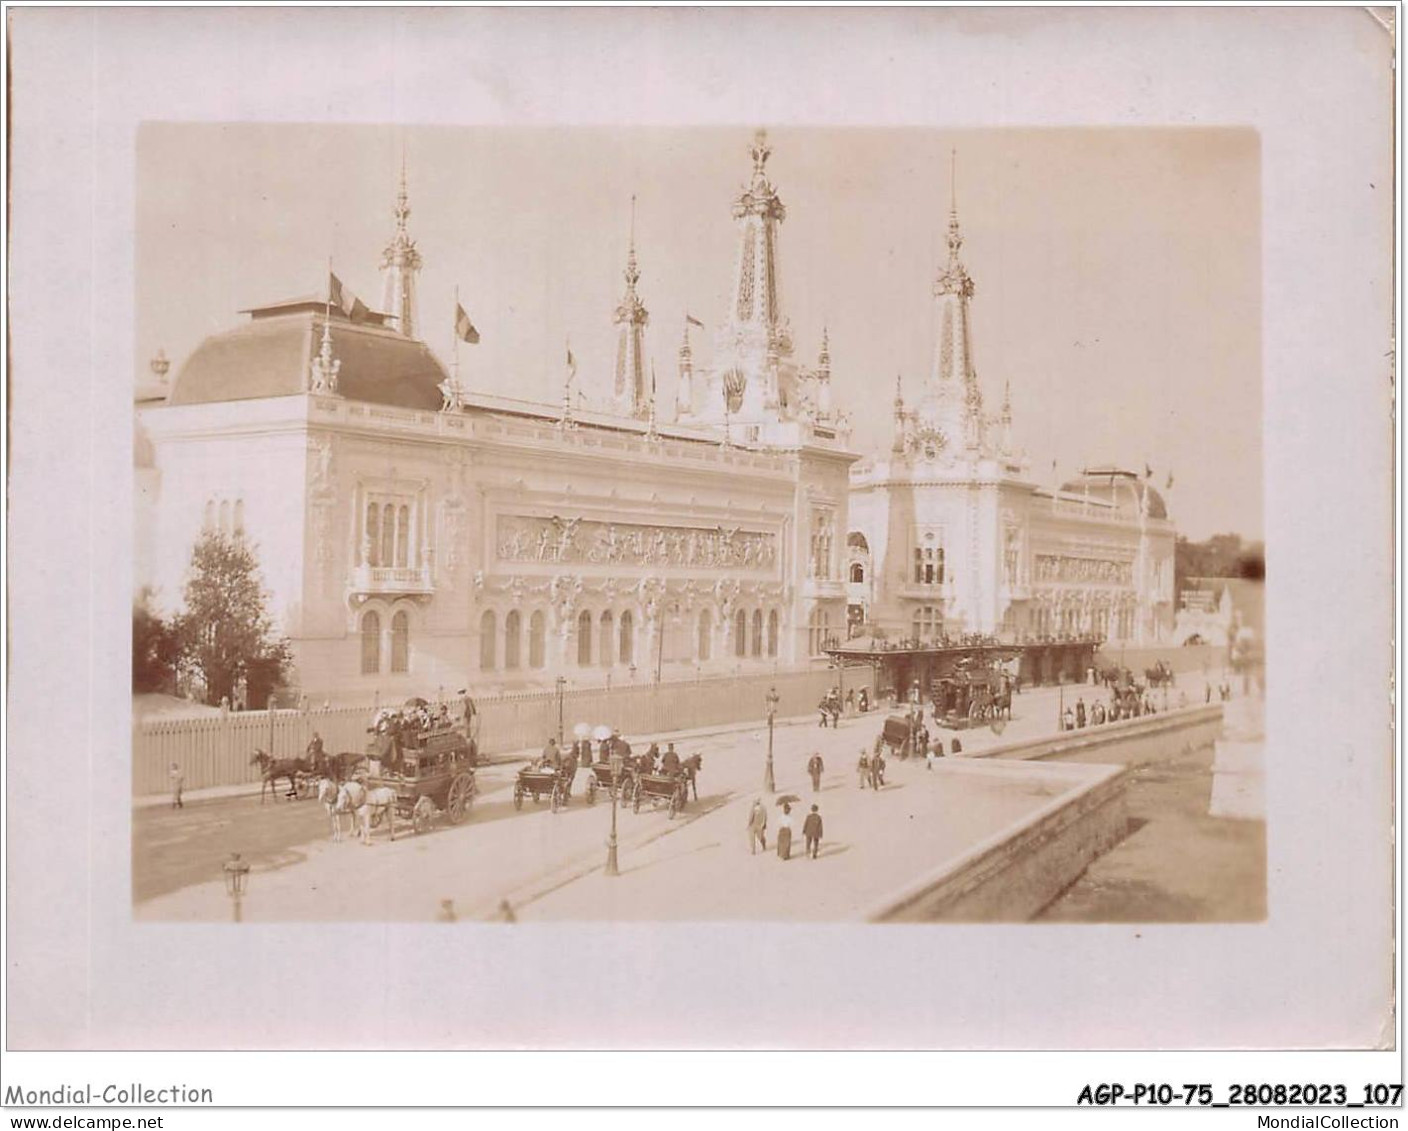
x=155, y=648
x=225, y=631
x=1222, y=555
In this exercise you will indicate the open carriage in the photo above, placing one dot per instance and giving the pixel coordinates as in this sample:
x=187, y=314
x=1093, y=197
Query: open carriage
x=600, y=776
x=661, y=789
x=539, y=782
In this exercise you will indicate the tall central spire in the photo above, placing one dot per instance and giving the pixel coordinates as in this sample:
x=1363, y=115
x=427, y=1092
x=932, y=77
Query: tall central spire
x=759, y=211
x=400, y=263
x=629, y=392
x=953, y=398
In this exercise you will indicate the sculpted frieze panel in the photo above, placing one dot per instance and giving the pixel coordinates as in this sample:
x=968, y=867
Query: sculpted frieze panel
x=557, y=540
x=1059, y=567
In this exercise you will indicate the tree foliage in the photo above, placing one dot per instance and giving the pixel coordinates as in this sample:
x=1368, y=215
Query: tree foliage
x=1222, y=555
x=155, y=649
x=225, y=631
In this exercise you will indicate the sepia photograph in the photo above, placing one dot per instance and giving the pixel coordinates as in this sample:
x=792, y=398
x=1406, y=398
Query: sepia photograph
x=815, y=517
x=701, y=531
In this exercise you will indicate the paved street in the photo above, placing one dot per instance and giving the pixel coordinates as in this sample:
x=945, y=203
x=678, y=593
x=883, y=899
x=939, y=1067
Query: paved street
x=549, y=865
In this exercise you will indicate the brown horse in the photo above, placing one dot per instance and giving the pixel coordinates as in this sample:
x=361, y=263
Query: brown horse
x=690, y=767
x=273, y=769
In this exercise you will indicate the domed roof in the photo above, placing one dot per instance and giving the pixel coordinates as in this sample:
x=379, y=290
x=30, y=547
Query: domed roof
x=1117, y=487
x=269, y=356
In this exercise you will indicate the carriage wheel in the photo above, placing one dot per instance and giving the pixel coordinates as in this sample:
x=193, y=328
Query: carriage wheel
x=675, y=804
x=518, y=797
x=461, y=794
x=998, y=724
x=635, y=803
x=558, y=800
x=591, y=791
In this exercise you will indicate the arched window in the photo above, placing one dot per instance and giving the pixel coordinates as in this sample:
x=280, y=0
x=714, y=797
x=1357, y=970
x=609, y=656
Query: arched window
x=488, y=641
x=372, y=540
x=584, y=640
x=608, y=639
x=239, y=518
x=388, y=535
x=757, y=633
x=403, y=535
x=772, y=634
x=513, y=640
x=628, y=638
x=740, y=634
x=401, y=642
x=537, y=638
x=857, y=572
x=371, y=643
x=225, y=517
x=706, y=631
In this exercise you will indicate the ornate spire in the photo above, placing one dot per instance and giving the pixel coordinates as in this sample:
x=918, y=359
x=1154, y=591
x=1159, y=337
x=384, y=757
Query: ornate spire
x=953, y=279
x=823, y=361
x=759, y=210
x=629, y=391
x=400, y=263
x=899, y=438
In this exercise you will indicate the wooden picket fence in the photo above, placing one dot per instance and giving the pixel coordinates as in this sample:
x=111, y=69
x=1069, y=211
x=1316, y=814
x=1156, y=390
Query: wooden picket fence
x=218, y=751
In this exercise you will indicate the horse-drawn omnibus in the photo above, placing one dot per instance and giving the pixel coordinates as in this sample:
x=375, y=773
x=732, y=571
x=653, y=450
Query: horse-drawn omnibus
x=428, y=760
x=973, y=696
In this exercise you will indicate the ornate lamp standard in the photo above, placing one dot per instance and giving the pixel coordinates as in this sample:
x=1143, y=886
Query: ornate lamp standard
x=561, y=687
x=617, y=762
x=236, y=880
x=773, y=699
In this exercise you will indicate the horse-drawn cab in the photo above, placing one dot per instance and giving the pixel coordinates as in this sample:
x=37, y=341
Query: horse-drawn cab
x=898, y=734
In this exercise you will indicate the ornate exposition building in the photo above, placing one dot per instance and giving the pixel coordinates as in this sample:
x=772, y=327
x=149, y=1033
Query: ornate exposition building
x=414, y=534
x=950, y=535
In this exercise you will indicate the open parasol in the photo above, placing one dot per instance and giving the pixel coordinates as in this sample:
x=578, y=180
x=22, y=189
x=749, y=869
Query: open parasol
x=788, y=799
x=582, y=730
x=602, y=733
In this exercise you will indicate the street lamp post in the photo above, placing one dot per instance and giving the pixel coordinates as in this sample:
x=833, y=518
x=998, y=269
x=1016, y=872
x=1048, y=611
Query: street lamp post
x=236, y=880
x=561, y=688
x=773, y=699
x=616, y=764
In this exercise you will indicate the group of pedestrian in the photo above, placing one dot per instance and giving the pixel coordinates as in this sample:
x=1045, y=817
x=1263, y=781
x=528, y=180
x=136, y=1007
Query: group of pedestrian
x=758, y=830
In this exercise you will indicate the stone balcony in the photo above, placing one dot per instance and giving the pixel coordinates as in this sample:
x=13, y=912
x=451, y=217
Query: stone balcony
x=391, y=581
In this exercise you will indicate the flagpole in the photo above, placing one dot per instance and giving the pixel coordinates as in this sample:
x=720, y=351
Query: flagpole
x=455, y=329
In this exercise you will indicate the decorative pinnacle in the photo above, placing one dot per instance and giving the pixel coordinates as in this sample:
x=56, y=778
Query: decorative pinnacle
x=760, y=151
x=325, y=367
x=899, y=395
x=632, y=272
x=955, y=238
x=403, y=207
x=824, y=359
x=1007, y=400
x=160, y=365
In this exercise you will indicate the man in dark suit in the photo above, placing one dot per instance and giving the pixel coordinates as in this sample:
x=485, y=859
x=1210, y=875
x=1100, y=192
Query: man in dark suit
x=814, y=769
x=811, y=831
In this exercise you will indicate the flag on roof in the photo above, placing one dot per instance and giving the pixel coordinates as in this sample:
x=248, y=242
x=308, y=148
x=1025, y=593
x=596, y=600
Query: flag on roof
x=693, y=321
x=1169, y=485
x=1148, y=472
x=571, y=364
x=464, y=328
x=341, y=296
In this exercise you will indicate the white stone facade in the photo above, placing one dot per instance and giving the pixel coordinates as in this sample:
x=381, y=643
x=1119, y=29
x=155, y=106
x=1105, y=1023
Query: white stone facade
x=960, y=539
x=492, y=543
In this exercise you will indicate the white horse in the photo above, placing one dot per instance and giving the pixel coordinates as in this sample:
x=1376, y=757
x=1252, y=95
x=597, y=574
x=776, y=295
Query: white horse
x=337, y=802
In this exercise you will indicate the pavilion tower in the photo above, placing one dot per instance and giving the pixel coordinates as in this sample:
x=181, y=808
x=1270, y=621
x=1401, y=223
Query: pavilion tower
x=400, y=264
x=755, y=374
x=684, y=390
x=631, y=395
x=952, y=403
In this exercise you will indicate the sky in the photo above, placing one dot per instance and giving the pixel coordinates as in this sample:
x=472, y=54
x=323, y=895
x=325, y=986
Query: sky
x=1117, y=271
